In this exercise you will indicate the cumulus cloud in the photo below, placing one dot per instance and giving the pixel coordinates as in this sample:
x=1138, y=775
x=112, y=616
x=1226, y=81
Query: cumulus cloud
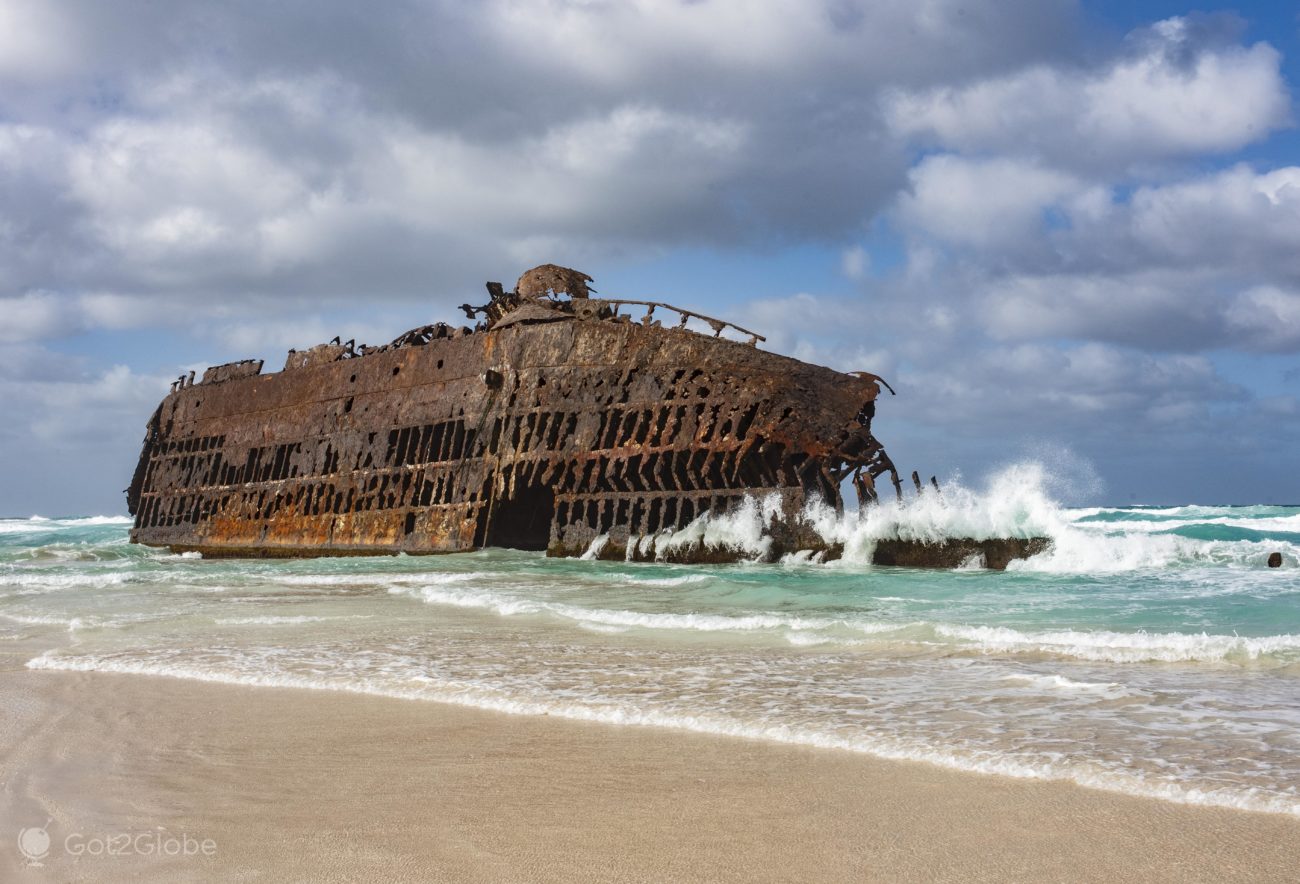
x=1177, y=90
x=31, y=48
x=819, y=329
x=1157, y=423
x=72, y=430
x=1088, y=389
x=983, y=204
x=33, y=316
x=855, y=262
x=1040, y=219
x=1026, y=229
x=251, y=151
x=1202, y=263
x=1265, y=318
x=1239, y=217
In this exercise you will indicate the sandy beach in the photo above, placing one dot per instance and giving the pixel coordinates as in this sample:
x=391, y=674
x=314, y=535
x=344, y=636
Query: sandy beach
x=292, y=784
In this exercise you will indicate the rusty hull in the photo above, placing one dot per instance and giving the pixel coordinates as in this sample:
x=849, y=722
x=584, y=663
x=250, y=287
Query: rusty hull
x=549, y=425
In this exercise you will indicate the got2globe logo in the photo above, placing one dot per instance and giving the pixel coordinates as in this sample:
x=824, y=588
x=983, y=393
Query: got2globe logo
x=34, y=843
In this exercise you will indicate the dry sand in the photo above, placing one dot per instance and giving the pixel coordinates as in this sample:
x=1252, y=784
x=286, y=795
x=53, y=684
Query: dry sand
x=320, y=786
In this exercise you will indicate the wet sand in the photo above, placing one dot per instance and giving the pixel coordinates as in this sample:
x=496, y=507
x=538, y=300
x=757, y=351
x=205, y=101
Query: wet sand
x=308, y=785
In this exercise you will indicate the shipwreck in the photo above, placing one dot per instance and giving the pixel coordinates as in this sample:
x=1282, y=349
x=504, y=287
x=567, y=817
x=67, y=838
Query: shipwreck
x=559, y=421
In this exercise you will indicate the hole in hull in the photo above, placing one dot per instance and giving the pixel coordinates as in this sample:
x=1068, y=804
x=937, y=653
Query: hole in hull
x=524, y=521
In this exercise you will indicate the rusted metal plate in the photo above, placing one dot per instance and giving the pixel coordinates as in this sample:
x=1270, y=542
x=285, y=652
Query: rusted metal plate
x=550, y=424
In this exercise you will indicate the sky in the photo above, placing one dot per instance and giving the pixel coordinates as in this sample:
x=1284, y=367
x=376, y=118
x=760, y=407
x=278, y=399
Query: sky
x=1061, y=231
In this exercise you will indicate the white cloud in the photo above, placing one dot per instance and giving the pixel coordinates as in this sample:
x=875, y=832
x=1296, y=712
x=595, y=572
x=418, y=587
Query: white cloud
x=168, y=195
x=1154, y=310
x=33, y=40
x=1265, y=318
x=34, y=316
x=634, y=169
x=271, y=339
x=1171, y=97
x=202, y=153
x=855, y=262
x=1236, y=216
x=994, y=203
x=1026, y=253
x=1083, y=391
x=624, y=43
x=79, y=411
x=819, y=329
x=71, y=434
x=55, y=403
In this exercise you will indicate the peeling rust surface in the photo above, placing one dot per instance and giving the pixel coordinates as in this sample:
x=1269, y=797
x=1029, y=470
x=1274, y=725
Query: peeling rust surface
x=549, y=424
x=552, y=279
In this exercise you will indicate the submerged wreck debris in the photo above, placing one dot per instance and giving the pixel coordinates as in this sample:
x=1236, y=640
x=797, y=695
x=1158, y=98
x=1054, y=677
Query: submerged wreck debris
x=560, y=422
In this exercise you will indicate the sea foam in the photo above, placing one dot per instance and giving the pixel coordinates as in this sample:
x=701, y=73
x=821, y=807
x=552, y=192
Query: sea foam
x=891, y=747
x=1015, y=502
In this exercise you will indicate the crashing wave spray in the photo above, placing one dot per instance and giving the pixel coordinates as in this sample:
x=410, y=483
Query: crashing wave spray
x=1013, y=518
x=1014, y=506
x=1014, y=521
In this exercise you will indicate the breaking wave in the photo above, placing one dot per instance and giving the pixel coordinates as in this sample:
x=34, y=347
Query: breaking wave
x=42, y=524
x=1015, y=502
x=1128, y=647
x=508, y=605
x=857, y=631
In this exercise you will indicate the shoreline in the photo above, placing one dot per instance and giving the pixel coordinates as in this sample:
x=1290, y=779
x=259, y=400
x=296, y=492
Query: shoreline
x=1112, y=783
x=292, y=783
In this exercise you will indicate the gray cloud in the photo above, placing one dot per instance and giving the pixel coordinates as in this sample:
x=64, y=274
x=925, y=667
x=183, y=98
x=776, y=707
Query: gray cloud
x=73, y=431
x=221, y=171
x=249, y=150
x=1026, y=252
x=1160, y=426
x=1055, y=210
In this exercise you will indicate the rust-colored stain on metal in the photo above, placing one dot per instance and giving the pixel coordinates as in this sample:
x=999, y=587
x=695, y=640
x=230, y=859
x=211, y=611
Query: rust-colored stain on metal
x=552, y=422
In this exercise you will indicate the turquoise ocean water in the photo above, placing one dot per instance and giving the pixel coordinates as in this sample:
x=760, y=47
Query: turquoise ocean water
x=1150, y=651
